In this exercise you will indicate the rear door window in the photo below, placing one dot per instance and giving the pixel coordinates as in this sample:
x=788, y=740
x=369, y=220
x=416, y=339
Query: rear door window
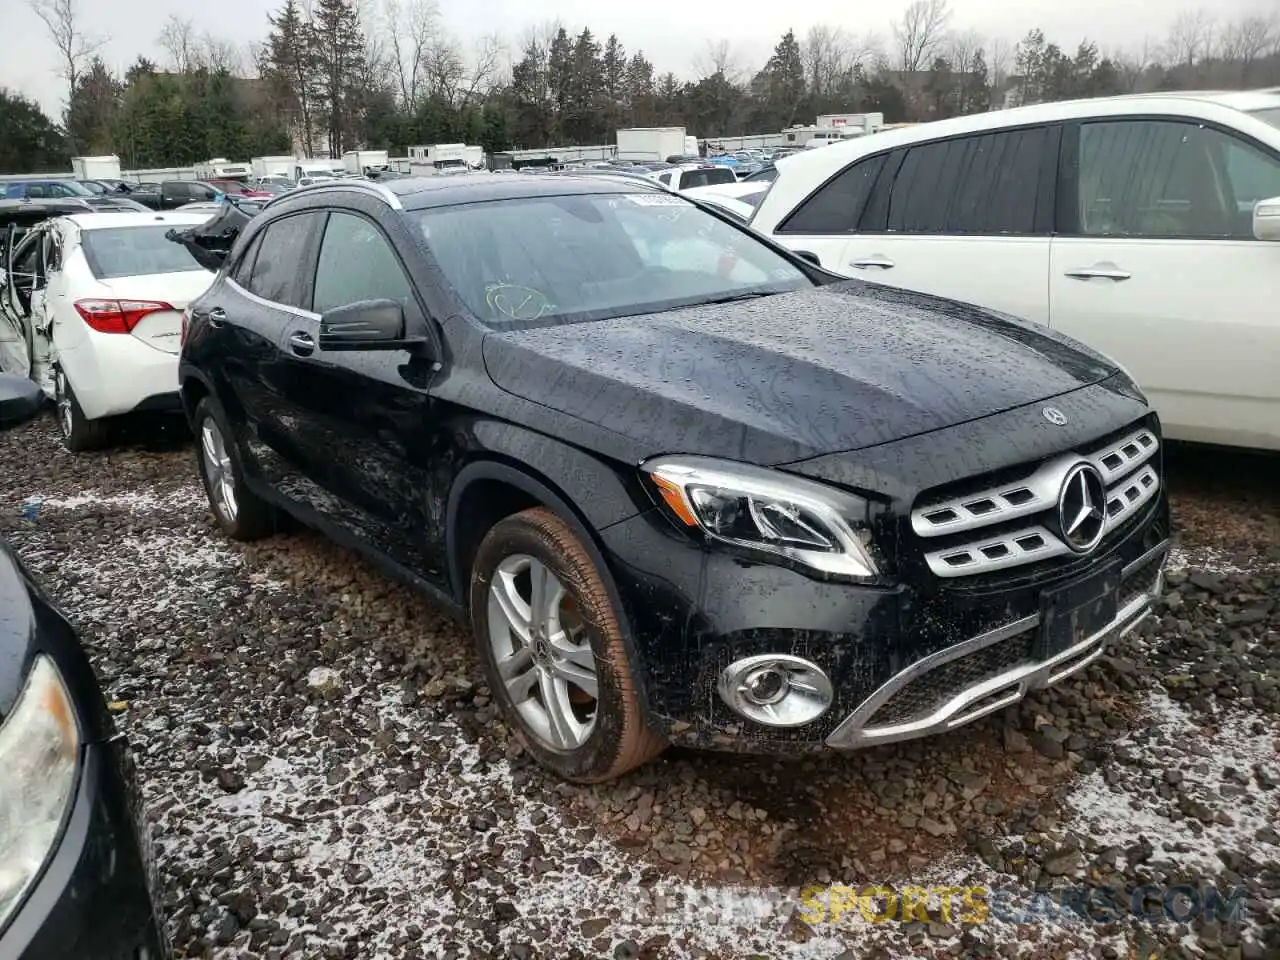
x=282, y=259
x=987, y=184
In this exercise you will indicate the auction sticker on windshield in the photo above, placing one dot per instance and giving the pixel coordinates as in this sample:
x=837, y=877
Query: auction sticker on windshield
x=657, y=200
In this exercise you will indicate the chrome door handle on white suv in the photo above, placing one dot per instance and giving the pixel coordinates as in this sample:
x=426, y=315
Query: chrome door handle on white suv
x=1099, y=271
x=876, y=260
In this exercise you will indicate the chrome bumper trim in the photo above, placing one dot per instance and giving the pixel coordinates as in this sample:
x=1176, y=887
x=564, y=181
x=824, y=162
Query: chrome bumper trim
x=1003, y=689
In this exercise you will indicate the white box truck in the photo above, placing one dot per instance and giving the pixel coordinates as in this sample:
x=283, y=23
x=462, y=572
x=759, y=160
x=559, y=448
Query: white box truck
x=852, y=123
x=220, y=168
x=423, y=160
x=96, y=168
x=312, y=169
x=652, y=143
x=271, y=167
x=356, y=162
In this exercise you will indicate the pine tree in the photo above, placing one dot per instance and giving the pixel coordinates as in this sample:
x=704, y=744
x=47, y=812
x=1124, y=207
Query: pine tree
x=289, y=67
x=339, y=53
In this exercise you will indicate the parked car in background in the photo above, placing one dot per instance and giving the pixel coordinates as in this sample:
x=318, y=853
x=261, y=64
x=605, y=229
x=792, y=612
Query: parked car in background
x=685, y=485
x=76, y=874
x=234, y=188
x=694, y=175
x=67, y=189
x=108, y=187
x=171, y=194
x=1146, y=226
x=99, y=298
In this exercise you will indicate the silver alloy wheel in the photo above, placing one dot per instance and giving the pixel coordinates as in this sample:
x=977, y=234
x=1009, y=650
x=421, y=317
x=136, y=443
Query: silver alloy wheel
x=63, y=399
x=217, y=466
x=537, y=655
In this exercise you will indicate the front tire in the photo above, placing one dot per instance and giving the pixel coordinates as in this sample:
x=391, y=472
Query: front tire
x=553, y=653
x=240, y=513
x=79, y=433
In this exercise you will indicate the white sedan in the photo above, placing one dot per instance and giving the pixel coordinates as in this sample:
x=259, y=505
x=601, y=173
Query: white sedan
x=99, y=298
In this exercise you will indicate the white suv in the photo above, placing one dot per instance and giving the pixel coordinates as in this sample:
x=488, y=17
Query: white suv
x=1136, y=224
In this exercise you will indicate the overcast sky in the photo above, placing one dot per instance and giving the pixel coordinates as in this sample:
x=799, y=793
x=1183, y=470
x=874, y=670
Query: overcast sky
x=674, y=36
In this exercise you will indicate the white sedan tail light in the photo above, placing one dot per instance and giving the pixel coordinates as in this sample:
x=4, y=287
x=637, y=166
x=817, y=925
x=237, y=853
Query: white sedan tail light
x=117, y=316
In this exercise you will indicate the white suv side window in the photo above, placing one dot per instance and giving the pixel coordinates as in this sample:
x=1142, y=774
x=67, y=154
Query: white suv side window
x=1169, y=179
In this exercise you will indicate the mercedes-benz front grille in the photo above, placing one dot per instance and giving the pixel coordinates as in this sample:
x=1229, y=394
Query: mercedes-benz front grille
x=1017, y=522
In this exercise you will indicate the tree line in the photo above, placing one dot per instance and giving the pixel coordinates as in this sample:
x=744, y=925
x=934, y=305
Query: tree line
x=328, y=78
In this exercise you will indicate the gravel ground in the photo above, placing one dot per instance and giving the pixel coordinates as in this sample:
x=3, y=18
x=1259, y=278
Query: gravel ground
x=327, y=776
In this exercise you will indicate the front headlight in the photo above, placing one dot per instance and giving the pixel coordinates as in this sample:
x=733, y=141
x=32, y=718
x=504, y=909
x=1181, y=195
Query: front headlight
x=763, y=510
x=39, y=760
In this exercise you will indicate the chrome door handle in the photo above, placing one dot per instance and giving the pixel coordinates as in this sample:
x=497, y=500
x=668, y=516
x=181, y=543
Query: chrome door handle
x=884, y=263
x=1100, y=271
x=217, y=317
x=301, y=343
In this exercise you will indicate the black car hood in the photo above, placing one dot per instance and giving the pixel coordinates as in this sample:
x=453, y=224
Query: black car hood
x=17, y=630
x=783, y=378
x=29, y=626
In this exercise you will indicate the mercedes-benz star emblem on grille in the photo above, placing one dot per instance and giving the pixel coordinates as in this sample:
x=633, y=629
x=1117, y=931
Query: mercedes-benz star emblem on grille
x=1082, y=508
x=1054, y=416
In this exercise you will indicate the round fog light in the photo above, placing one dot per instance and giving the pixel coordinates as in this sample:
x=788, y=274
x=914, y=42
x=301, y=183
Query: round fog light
x=776, y=690
x=766, y=685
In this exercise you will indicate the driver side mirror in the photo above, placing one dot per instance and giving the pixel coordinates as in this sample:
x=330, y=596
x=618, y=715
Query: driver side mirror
x=1266, y=219
x=365, y=325
x=808, y=255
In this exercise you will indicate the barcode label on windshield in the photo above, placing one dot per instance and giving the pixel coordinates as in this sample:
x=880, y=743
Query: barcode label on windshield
x=656, y=200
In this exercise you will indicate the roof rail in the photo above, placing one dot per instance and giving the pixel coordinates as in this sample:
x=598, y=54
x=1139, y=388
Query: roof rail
x=381, y=191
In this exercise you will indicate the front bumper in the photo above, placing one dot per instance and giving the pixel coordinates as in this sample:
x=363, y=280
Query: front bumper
x=903, y=661
x=94, y=899
x=988, y=672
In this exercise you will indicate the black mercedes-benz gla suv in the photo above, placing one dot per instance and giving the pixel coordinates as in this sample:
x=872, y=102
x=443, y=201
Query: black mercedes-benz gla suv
x=683, y=485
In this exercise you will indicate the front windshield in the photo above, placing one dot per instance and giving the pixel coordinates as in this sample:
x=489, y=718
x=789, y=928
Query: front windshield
x=1270, y=115
x=592, y=256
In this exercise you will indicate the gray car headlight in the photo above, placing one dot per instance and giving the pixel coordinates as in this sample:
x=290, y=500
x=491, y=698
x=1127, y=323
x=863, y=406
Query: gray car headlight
x=39, y=763
x=762, y=510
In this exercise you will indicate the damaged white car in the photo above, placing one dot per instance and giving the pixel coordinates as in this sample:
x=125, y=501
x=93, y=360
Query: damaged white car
x=93, y=307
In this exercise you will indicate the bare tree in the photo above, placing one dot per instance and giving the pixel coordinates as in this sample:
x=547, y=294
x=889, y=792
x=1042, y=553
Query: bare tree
x=865, y=48
x=963, y=49
x=920, y=34
x=999, y=56
x=178, y=39
x=826, y=56
x=718, y=58
x=215, y=55
x=75, y=47
x=1132, y=65
x=486, y=68
x=410, y=28
x=1190, y=38
x=1247, y=40
x=444, y=72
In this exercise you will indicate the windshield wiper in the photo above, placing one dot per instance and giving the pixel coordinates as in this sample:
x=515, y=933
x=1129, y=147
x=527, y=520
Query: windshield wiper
x=734, y=297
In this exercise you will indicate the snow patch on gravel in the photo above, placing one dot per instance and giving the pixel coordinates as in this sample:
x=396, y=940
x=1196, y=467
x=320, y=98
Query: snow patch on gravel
x=1119, y=815
x=134, y=501
x=1207, y=559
